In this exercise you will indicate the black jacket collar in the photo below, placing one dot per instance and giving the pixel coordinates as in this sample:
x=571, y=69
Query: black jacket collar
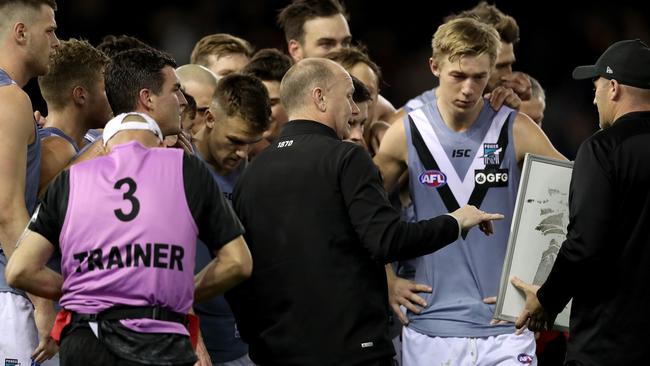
x=307, y=127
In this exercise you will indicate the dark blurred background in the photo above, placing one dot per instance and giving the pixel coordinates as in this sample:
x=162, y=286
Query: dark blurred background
x=555, y=37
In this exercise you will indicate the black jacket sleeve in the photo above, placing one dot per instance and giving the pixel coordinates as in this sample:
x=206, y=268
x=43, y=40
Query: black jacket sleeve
x=378, y=224
x=591, y=207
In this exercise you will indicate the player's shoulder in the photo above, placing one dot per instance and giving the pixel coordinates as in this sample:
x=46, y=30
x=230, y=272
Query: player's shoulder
x=57, y=145
x=394, y=140
x=13, y=99
x=523, y=124
x=13, y=96
x=15, y=112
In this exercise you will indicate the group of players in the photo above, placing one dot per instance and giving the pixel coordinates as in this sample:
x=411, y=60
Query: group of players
x=109, y=104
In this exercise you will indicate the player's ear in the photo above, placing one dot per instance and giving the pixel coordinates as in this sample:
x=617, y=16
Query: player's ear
x=209, y=119
x=20, y=32
x=79, y=95
x=433, y=65
x=318, y=98
x=145, y=98
x=295, y=50
x=614, y=89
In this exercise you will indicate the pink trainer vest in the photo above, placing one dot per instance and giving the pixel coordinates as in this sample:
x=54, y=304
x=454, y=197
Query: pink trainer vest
x=129, y=237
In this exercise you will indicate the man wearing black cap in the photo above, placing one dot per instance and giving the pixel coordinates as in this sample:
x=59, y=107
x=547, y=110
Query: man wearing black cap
x=603, y=263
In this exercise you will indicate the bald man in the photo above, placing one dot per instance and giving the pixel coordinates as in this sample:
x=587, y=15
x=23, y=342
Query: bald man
x=199, y=82
x=317, y=218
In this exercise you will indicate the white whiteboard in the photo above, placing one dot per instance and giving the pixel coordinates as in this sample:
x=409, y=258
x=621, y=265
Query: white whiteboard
x=539, y=227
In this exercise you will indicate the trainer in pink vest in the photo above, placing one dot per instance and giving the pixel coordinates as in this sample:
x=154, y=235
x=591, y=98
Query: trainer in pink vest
x=129, y=237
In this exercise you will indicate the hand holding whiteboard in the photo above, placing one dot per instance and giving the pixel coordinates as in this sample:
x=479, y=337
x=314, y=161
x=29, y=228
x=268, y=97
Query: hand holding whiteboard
x=538, y=229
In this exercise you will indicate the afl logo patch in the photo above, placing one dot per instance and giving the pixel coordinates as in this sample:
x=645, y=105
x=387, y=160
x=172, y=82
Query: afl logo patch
x=433, y=178
x=525, y=359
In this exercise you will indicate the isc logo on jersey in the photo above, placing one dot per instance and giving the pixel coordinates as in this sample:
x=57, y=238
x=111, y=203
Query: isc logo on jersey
x=433, y=178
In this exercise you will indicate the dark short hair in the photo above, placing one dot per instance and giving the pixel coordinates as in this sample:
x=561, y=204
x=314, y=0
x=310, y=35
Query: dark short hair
x=76, y=62
x=292, y=17
x=268, y=64
x=505, y=25
x=131, y=71
x=112, y=45
x=244, y=96
x=350, y=56
x=361, y=93
x=191, y=105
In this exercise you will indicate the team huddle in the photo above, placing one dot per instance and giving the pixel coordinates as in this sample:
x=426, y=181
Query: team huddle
x=263, y=208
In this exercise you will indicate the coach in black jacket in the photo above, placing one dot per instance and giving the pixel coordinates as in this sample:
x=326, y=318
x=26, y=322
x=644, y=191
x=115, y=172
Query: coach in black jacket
x=604, y=264
x=320, y=230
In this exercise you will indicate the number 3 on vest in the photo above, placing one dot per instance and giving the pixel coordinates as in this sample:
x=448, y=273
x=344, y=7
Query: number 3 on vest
x=128, y=195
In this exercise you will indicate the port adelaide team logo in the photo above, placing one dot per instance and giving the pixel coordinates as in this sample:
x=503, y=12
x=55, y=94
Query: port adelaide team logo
x=491, y=154
x=433, y=178
x=491, y=176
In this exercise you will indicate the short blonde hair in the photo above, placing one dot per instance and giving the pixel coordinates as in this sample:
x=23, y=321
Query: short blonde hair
x=219, y=44
x=465, y=37
x=490, y=14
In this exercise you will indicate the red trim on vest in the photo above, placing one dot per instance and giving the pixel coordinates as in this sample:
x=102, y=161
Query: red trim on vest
x=193, y=328
x=63, y=318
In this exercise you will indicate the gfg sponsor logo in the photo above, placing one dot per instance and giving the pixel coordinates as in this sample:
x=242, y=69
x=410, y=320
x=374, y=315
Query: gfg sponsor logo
x=433, y=178
x=491, y=177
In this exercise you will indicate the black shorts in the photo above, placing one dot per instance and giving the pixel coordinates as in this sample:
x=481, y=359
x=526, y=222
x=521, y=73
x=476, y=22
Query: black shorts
x=79, y=346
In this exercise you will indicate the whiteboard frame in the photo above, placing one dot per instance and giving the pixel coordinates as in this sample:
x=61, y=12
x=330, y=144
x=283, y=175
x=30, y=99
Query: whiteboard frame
x=530, y=161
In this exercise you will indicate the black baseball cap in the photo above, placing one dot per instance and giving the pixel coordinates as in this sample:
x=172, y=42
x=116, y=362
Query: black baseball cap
x=626, y=61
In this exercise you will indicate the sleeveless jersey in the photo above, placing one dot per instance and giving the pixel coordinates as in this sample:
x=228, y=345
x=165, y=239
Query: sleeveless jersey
x=218, y=325
x=55, y=261
x=32, y=176
x=427, y=97
x=53, y=131
x=447, y=170
x=143, y=253
x=92, y=135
